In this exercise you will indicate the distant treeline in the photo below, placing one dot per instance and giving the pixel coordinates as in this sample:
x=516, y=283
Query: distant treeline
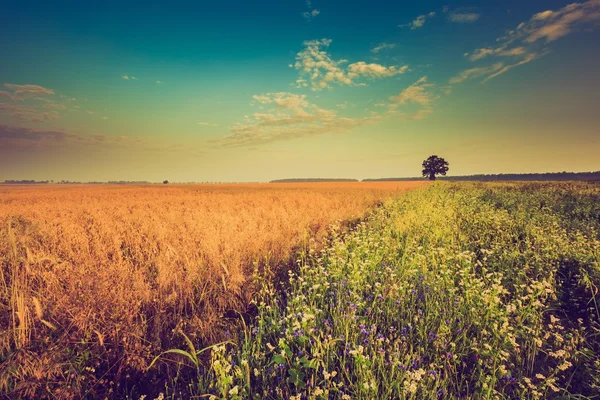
x=24, y=182
x=551, y=176
x=128, y=183
x=63, y=182
x=303, y=180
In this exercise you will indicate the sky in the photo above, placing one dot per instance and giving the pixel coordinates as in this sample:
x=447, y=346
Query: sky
x=239, y=91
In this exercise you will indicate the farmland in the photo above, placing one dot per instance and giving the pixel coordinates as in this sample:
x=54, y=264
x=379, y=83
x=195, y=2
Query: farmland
x=97, y=280
x=454, y=291
x=448, y=291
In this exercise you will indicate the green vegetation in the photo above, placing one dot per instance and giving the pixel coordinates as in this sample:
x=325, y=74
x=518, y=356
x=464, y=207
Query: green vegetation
x=454, y=291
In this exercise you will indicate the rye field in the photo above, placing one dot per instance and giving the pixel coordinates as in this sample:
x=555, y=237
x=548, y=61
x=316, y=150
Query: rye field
x=316, y=291
x=97, y=280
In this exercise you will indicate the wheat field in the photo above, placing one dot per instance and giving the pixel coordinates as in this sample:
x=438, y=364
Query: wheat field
x=103, y=278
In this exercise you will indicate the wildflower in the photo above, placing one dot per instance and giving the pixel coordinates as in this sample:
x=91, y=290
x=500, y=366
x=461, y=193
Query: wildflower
x=565, y=365
x=234, y=390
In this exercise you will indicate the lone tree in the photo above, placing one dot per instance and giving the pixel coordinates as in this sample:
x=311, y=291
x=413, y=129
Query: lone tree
x=433, y=166
x=165, y=182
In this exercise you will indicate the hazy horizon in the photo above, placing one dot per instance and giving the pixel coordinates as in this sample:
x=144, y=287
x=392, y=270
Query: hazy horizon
x=241, y=92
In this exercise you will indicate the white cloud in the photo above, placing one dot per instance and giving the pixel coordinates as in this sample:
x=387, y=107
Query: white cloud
x=22, y=139
x=361, y=68
x=40, y=106
x=418, y=22
x=20, y=92
x=477, y=72
x=419, y=94
x=463, y=17
x=319, y=71
x=206, y=124
x=415, y=93
x=27, y=113
x=311, y=14
x=126, y=77
x=528, y=58
x=159, y=82
x=500, y=51
x=552, y=25
x=289, y=116
x=383, y=46
x=529, y=39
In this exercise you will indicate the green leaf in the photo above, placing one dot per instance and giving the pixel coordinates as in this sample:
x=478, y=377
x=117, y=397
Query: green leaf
x=174, y=351
x=296, y=378
x=278, y=359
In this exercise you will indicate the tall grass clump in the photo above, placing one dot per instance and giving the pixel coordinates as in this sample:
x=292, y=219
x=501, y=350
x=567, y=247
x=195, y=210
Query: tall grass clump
x=470, y=291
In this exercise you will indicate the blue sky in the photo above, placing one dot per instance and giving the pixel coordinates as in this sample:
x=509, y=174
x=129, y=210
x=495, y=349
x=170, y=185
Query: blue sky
x=248, y=91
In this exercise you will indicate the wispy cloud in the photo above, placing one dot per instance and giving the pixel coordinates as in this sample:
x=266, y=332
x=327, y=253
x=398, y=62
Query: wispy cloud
x=551, y=25
x=51, y=105
x=477, y=72
x=501, y=51
x=19, y=138
x=7, y=95
x=319, y=71
x=24, y=92
x=206, y=124
x=28, y=90
x=159, y=82
x=288, y=116
x=27, y=113
x=463, y=17
x=13, y=132
x=529, y=40
x=419, y=93
x=419, y=21
x=383, y=46
x=127, y=77
x=33, y=103
x=311, y=13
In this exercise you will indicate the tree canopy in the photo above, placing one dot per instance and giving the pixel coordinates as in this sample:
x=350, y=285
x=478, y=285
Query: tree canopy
x=433, y=166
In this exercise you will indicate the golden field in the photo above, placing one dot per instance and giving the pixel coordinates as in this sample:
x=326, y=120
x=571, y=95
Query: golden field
x=109, y=275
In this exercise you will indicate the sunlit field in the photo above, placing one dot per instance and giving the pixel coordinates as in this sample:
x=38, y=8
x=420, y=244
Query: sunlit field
x=456, y=291
x=302, y=291
x=98, y=280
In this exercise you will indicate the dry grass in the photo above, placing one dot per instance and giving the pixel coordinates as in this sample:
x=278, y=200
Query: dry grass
x=96, y=280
